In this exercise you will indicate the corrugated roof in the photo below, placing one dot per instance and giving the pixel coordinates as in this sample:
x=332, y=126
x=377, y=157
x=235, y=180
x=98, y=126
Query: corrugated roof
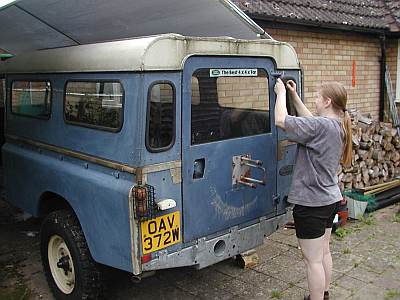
x=373, y=14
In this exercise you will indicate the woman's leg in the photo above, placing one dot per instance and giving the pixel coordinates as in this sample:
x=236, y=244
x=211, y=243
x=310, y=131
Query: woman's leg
x=327, y=260
x=313, y=253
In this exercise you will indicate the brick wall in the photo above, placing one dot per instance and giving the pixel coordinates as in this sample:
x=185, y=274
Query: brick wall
x=243, y=92
x=238, y=92
x=329, y=57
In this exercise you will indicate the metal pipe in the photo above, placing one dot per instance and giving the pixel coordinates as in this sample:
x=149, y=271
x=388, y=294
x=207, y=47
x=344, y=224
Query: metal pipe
x=246, y=19
x=252, y=180
x=382, y=78
x=253, y=161
x=253, y=186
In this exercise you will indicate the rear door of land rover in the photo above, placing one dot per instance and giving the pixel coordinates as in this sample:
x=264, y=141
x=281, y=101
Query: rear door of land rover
x=228, y=144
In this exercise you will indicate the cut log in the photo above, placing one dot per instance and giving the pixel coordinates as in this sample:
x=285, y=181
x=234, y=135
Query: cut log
x=377, y=138
x=375, y=155
x=395, y=156
x=347, y=178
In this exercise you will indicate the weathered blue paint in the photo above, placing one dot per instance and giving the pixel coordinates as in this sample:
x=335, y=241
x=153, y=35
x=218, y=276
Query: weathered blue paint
x=162, y=180
x=174, y=153
x=97, y=196
x=117, y=147
x=211, y=204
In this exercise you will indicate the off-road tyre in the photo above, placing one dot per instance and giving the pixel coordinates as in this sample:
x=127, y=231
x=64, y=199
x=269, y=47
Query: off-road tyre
x=63, y=226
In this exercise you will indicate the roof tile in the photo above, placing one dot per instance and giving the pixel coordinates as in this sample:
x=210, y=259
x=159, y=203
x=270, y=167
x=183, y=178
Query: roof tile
x=374, y=14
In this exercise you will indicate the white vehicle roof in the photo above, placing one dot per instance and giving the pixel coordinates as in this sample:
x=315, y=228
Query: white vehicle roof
x=153, y=53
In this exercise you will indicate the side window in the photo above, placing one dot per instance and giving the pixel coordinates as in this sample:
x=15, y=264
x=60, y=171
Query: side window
x=160, y=117
x=94, y=104
x=31, y=98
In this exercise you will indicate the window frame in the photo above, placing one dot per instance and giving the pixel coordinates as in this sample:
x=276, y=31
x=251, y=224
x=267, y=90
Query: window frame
x=171, y=144
x=10, y=98
x=87, y=125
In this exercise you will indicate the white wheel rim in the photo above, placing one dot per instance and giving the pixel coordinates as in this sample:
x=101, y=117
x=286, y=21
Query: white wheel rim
x=58, y=252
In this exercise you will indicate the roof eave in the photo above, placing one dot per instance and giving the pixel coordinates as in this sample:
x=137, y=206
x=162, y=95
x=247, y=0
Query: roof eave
x=342, y=27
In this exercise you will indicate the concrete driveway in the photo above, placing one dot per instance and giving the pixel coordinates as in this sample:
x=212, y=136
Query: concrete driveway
x=366, y=266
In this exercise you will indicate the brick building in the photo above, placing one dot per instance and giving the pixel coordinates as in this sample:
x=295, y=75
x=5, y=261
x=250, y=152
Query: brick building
x=342, y=40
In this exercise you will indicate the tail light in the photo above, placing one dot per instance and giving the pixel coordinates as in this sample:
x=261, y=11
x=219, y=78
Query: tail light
x=143, y=197
x=146, y=258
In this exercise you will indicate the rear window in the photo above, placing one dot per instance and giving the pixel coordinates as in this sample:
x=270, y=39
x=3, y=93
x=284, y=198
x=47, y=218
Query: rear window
x=31, y=98
x=229, y=103
x=94, y=104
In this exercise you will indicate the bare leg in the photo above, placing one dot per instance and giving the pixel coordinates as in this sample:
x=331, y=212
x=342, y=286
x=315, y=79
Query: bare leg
x=327, y=260
x=313, y=253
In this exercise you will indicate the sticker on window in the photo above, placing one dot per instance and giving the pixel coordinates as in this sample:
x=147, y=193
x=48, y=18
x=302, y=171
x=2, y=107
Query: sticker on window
x=232, y=72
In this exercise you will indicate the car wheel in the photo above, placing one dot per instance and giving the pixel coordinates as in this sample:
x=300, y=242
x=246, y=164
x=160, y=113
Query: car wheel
x=70, y=270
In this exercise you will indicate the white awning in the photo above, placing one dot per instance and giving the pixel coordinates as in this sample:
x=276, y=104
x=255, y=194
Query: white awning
x=28, y=25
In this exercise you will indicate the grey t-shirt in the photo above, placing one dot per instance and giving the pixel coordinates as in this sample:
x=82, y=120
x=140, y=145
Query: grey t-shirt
x=320, y=146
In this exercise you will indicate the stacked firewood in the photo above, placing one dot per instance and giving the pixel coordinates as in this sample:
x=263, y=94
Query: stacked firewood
x=376, y=154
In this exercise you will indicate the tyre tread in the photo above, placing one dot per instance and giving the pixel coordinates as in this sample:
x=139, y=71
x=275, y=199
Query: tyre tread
x=91, y=274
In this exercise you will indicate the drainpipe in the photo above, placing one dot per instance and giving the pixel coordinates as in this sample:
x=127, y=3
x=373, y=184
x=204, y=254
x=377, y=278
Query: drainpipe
x=382, y=81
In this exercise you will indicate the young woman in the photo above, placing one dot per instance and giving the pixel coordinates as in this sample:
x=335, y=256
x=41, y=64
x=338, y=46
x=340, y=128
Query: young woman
x=323, y=142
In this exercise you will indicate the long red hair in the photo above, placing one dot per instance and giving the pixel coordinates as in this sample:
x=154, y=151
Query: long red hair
x=338, y=95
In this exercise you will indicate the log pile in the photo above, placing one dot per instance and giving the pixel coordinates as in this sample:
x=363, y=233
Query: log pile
x=376, y=154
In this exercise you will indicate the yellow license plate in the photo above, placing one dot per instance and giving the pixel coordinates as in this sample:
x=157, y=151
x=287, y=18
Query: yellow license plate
x=161, y=232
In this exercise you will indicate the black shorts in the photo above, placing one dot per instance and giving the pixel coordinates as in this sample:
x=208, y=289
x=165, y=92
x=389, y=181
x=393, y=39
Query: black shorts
x=311, y=222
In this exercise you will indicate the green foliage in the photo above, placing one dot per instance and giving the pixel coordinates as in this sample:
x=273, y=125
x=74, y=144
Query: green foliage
x=276, y=294
x=341, y=232
x=368, y=220
x=391, y=294
x=347, y=251
x=396, y=217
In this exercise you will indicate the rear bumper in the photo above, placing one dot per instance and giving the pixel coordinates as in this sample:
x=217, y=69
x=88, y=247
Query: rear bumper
x=205, y=252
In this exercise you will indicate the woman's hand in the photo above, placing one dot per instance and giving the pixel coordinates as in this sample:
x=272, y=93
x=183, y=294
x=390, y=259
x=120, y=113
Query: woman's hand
x=291, y=86
x=280, y=104
x=279, y=87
